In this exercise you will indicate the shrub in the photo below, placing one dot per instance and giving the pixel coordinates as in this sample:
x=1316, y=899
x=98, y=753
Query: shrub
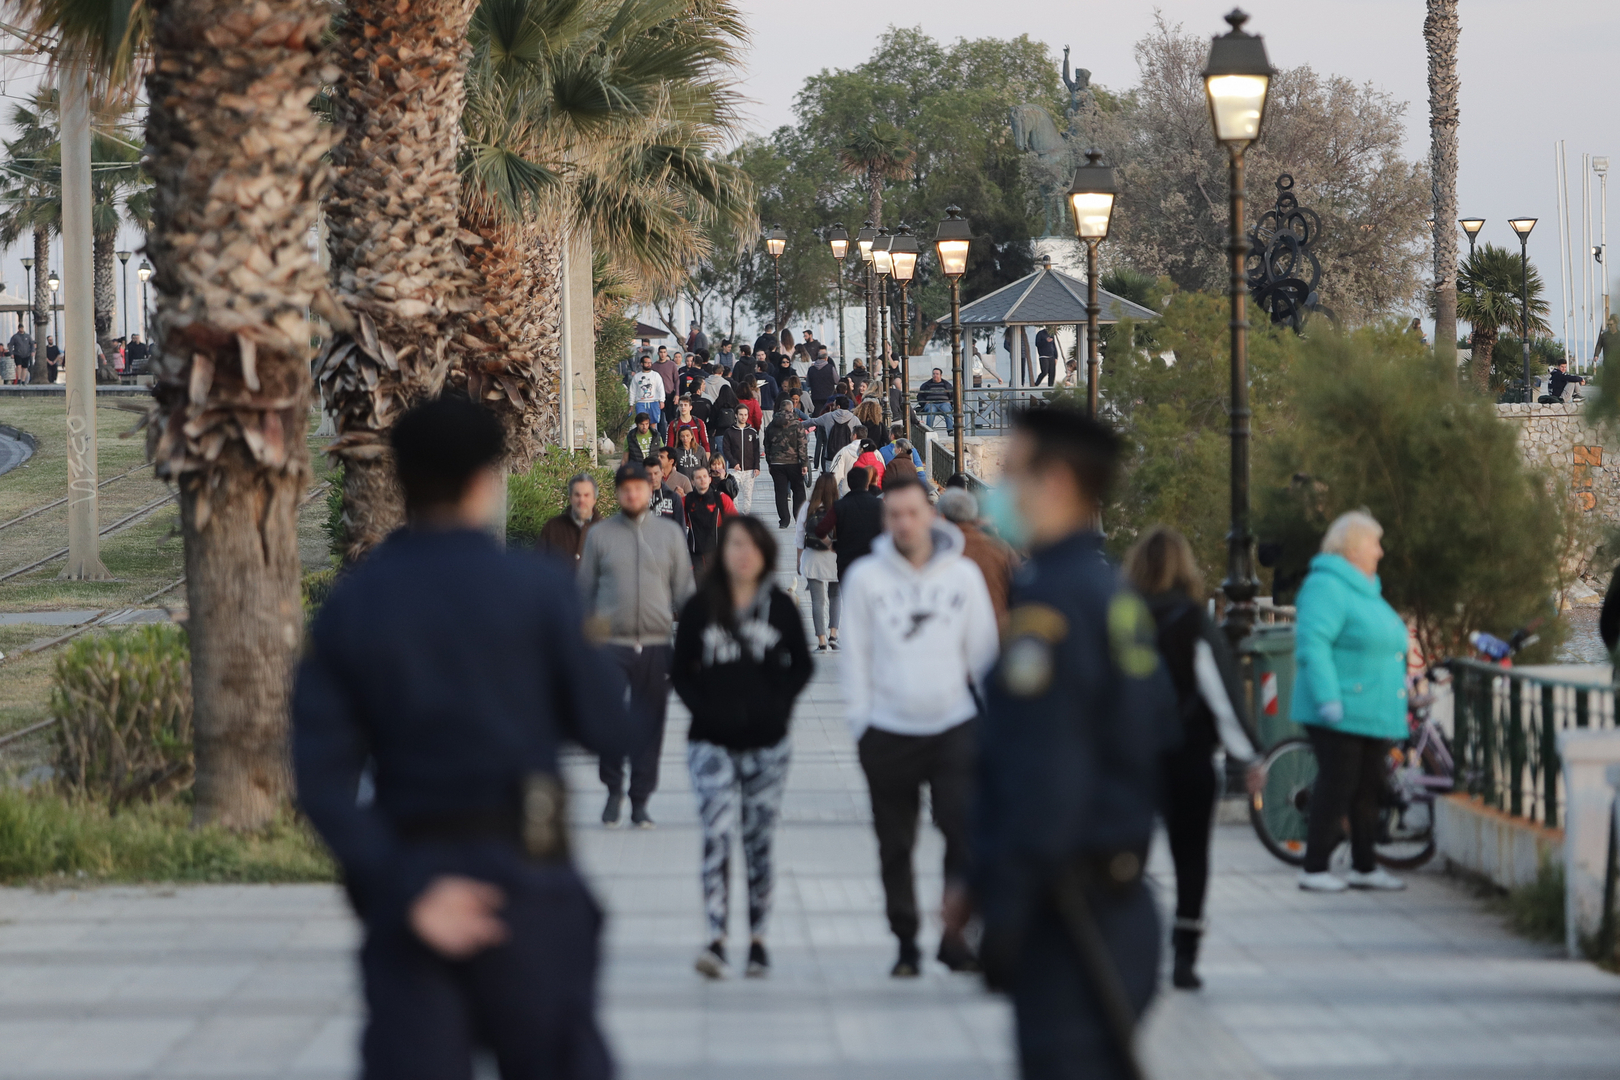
x=1537, y=910
x=44, y=835
x=316, y=586
x=123, y=706
x=535, y=497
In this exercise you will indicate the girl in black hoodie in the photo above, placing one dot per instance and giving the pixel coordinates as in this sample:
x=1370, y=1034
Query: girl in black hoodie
x=741, y=659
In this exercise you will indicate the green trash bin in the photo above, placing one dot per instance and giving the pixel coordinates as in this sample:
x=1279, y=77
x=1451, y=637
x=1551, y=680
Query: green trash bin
x=1270, y=650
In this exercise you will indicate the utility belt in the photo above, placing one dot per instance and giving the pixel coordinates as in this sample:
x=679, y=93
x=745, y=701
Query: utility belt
x=538, y=827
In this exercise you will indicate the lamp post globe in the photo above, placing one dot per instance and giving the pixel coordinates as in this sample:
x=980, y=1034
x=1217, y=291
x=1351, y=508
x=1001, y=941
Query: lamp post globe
x=1237, y=78
x=952, y=240
x=1091, y=199
x=1522, y=227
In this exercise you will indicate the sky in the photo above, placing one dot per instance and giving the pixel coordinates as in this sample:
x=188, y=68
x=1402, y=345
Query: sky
x=1532, y=73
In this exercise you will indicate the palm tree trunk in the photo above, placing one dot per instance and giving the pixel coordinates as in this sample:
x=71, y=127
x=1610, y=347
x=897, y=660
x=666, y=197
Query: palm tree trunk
x=1440, y=33
x=236, y=156
x=1483, y=343
x=393, y=216
x=42, y=303
x=106, y=294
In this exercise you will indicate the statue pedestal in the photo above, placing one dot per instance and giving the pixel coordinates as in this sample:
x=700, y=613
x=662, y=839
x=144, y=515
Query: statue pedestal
x=1068, y=255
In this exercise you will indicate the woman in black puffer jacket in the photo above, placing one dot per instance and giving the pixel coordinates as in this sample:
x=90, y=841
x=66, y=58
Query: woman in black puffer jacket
x=741, y=659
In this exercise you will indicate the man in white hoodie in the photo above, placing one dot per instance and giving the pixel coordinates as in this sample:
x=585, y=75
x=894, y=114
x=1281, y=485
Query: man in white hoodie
x=919, y=636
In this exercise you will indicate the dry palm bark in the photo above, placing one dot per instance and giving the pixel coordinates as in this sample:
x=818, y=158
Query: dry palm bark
x=512, y=359
x=236, y=155
x=42, y=310
x=1441, y=30
x=393, y=217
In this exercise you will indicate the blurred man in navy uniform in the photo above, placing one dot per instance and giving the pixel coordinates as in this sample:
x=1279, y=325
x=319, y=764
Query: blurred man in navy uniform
x=450, y=672
x=1077, y=713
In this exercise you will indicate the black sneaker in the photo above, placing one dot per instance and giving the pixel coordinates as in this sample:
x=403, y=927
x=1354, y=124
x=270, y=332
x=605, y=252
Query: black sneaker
x=640, y=818
x=909, y=965
x=955, y=954
x=759, y=964
x=711, y=962
x=832, y=643
x=613, y=809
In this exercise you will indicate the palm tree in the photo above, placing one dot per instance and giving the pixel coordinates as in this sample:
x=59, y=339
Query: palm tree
x=238, y=162
x=878, y=152
x=393, y=218
x=1440, y=32
x=599, y=118
x=1489, y=299
x=31, y=193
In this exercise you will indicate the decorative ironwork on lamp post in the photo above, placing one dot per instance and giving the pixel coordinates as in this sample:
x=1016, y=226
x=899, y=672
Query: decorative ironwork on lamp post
x=952, y=240
x=776, y=243
x=903, y=251
x=838, y=240
x=883, y=266
x=1236, y=80
x=1522, y=226
x=1092, y=197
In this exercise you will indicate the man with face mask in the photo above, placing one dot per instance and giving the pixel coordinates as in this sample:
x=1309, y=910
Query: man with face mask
x=1078, y=711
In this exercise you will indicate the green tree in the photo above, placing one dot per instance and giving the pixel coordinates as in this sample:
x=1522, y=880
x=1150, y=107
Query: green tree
x=1488, y=299
x=1471, y=534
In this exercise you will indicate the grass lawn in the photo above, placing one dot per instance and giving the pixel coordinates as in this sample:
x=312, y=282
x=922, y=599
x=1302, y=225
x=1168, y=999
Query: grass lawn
x=142, y=558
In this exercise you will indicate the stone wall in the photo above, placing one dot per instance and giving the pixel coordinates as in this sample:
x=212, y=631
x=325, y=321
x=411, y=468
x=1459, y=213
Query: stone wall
x=1561, y=439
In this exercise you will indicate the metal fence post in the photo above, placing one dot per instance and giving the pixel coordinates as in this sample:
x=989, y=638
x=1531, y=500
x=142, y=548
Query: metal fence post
x=1548, y=759
x=1515, y=747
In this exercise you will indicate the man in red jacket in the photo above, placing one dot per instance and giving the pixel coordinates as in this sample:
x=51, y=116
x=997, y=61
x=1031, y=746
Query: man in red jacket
x=706, y=508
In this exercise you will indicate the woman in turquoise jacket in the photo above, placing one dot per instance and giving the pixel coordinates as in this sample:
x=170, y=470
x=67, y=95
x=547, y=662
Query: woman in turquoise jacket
x=1350, y=693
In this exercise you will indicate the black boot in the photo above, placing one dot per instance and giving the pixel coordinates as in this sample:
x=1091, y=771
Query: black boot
x=1184, y=940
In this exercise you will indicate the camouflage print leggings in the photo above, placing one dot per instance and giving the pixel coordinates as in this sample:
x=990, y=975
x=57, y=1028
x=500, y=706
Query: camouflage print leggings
x=722, y=779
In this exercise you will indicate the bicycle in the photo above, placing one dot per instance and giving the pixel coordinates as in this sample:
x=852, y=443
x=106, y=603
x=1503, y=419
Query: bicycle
x=1419, y=769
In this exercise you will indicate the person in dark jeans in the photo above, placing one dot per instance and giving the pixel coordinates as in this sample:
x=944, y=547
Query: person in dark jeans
x=854, y=521
x=1046, y=351
x=787, y=452
x=1209, y=700
x=919, y=636
x=634, y=573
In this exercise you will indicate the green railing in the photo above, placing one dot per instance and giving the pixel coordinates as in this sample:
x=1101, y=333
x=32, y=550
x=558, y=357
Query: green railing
x=1505, y=738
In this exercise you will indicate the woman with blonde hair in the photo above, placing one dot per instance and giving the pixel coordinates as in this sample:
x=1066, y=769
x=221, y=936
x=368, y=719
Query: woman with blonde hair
x=1209, y=695
x=1350, y=694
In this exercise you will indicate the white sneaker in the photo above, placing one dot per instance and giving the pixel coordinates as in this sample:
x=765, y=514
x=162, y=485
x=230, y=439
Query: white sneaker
x=1375, y=879
x=1321, y=881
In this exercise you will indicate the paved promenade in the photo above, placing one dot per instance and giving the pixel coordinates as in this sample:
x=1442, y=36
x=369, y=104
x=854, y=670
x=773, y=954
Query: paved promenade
x=217, y=982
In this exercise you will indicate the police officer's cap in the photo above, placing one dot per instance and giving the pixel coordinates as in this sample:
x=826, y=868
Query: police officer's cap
x=631, y=470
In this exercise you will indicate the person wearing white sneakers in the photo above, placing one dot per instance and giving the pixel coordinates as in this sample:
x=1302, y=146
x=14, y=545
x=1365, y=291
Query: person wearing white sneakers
x=1350, y=694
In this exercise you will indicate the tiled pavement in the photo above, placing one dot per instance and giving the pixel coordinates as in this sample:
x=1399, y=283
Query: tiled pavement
x=239, y=981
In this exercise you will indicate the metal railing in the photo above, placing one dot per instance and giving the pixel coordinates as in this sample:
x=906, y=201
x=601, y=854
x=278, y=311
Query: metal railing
x=1505, y=740
x=986, y=410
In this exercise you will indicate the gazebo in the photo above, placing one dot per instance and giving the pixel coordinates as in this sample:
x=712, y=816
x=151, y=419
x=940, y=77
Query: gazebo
x=1048, y=297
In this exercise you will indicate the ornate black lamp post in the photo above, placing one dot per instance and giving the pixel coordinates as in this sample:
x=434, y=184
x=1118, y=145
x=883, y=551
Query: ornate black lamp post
x=1092, y=197
x=123, y=259
x=883, y=266
x=776, y=243
x=1236, y=80
x=903, y=251
x=838, y=240
x=144, y=273
x=1522, y=226
x=55, y=282
x=952, y=241
x=1471, y=226
x=863, y=243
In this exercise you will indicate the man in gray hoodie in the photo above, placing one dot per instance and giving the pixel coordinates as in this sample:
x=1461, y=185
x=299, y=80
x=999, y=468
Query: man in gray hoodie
x=634, y=574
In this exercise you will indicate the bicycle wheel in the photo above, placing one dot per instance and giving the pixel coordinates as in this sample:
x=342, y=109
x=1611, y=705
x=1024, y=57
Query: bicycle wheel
x=1406, y=818
x=1281, y=810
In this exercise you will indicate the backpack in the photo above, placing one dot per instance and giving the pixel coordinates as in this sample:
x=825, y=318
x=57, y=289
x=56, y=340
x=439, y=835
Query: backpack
x=840, y=436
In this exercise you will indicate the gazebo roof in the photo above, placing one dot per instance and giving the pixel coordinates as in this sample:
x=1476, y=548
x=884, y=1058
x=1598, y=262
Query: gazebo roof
x=1048, y=297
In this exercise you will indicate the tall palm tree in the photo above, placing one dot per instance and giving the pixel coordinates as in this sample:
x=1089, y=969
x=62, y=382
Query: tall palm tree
x=31, y=195
x=594, y=117
x=1441, y=29
x=1489, y=299
x=878, y=152
x=238, y=162
x=393, y=219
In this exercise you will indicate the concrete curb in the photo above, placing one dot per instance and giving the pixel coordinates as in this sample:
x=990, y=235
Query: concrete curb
x=27, y=441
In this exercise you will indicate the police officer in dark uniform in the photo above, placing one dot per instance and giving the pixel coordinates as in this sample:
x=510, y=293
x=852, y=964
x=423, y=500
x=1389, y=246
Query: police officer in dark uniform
x=447, y=673
x=1077, y=713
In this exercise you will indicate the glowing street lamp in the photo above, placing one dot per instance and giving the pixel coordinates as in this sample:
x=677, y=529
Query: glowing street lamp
x=952, y=240
x=1092, y=197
